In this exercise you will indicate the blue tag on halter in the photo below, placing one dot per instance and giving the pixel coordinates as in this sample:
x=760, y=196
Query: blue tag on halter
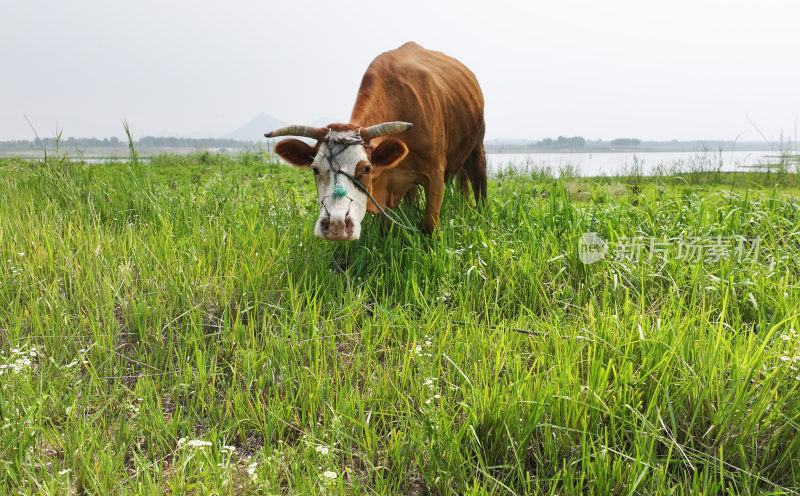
x=338, y=191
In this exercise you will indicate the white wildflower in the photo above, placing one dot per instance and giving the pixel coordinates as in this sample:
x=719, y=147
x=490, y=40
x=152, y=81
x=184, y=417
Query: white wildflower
x=194, y=443
x=251, y=471
x=330, y=475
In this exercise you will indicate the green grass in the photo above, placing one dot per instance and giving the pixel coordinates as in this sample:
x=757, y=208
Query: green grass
x=188, y=299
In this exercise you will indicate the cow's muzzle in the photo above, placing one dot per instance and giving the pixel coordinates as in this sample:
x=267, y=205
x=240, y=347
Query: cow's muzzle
x=338, y=228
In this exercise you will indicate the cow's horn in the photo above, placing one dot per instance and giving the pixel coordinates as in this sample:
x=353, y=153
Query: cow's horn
x=386, y=128
x=316, y=133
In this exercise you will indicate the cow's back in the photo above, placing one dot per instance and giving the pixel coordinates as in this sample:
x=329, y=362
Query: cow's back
x=435, y=92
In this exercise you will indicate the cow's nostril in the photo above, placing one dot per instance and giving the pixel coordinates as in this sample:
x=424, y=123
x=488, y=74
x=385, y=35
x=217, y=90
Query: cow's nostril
x=325, y=224
x=348, y=224
x=336, y=227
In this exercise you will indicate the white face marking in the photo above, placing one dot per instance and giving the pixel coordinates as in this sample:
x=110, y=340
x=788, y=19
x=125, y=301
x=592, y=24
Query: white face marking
x=340, y=216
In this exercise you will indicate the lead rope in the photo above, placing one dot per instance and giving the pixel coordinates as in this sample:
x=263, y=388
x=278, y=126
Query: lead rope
x=384, y=212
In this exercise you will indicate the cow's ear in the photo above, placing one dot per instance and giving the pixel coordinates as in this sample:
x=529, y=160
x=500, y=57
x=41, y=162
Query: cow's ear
x=295, y=152
x=389, y=153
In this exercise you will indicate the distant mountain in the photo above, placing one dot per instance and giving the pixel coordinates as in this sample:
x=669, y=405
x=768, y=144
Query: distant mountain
x=255, y=129
x=260, y=124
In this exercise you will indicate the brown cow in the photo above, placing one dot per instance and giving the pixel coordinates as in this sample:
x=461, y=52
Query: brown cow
x=444, y=102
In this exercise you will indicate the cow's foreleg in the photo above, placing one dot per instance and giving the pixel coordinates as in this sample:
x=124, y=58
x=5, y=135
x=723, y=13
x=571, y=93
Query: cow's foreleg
x=434, y=193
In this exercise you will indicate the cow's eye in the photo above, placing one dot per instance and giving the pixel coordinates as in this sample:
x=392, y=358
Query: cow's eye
x=316, y=171
x=367, y=169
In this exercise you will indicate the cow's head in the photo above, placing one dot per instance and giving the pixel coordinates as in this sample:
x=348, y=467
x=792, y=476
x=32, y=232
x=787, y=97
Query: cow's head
x=343, y=152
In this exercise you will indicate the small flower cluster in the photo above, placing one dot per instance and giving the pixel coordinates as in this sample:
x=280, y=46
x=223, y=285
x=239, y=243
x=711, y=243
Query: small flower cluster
x=14, y=270
x=193, y=443
x=454, y=252
x=81, y=357
x=419, y=350
x=323, y=450
x=226, y=460
x=251, y=470
x=430, y=382
x=18, y=360
x=133, y=407
x=791, y=353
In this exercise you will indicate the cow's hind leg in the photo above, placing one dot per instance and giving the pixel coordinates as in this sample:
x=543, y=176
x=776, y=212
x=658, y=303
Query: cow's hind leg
x=463, y=182
x=475, y=168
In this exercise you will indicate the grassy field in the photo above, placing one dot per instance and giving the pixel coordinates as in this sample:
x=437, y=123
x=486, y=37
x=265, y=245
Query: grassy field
x=176, y=328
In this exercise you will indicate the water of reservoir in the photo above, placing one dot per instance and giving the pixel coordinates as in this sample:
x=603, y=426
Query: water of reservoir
x=628, y=163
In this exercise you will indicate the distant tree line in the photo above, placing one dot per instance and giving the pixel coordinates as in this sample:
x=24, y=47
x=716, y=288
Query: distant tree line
x=626, y=142
x=170, y=142
x=114, y=142
x=562, y=142
x=63, y=142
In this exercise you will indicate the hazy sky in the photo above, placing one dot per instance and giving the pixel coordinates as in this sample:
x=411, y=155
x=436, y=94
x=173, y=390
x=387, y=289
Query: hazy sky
x=600, y=69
